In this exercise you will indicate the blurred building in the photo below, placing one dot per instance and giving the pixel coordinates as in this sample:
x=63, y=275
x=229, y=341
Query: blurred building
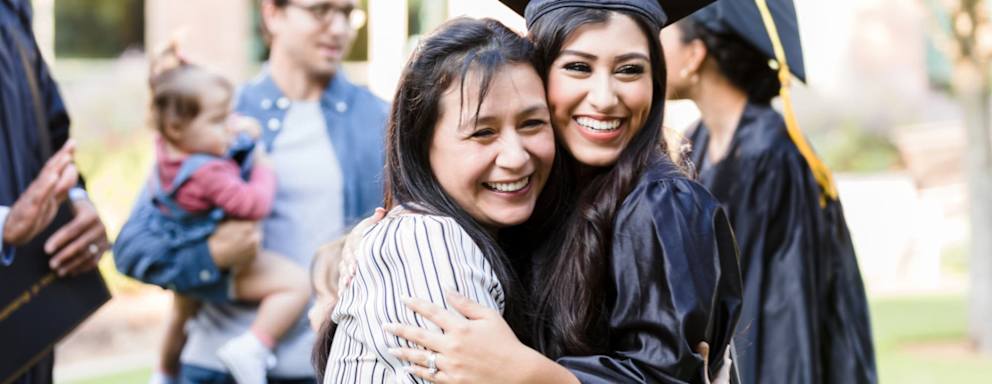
x=216, y=33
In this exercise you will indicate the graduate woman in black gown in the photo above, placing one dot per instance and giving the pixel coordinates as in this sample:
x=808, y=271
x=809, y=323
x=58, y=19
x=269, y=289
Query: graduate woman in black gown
x=638, y=264
x=805, y=317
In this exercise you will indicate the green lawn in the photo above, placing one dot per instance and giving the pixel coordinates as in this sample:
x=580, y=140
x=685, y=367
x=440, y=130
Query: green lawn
x=900, y=324
x=130, y=377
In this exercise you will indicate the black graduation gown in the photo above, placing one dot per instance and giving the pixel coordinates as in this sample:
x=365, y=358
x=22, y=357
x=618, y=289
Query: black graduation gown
x=20, y=148
x=674, y=280
x=20, y=145
x=805, y=317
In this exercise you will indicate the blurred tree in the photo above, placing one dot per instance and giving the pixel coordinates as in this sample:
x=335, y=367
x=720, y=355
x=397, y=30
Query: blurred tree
x=360, y=48
x=425, y=15
x=966, y=39
x=98, y=28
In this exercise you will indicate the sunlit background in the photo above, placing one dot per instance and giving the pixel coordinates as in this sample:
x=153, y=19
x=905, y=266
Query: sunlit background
x=881, y=107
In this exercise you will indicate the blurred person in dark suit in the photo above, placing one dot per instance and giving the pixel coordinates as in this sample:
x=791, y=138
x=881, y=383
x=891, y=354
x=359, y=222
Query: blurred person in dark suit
x=33, y=181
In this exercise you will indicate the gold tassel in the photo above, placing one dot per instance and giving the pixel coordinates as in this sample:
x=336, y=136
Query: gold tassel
x=820, y=170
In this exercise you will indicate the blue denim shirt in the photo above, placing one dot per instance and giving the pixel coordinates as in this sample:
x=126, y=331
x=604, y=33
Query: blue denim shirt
x=355, y=120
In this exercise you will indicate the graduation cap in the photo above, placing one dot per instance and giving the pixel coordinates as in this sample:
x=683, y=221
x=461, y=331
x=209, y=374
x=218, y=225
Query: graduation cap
x=744, y=18
x=660, y=12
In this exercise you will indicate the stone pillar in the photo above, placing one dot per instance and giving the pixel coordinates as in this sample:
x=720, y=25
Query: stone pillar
x=44, y=28
x=387, y=45
x=217, y=33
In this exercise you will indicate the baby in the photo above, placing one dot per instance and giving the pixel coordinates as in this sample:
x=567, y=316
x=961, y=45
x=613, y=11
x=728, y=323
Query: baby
x=205, y=174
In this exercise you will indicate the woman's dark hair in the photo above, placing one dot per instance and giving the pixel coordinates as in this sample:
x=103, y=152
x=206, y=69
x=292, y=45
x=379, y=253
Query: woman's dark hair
x=740, y=62
x=570, y=292
x=444, y=60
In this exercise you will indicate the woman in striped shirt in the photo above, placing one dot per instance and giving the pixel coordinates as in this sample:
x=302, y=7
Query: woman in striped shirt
x=469, y=148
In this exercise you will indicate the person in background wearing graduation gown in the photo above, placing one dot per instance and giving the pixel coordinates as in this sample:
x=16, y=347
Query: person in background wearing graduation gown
x=637, y=263
x=33, y=120
x=805, y=317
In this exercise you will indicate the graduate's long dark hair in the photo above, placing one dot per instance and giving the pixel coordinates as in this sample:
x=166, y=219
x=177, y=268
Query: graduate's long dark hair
x=443, y=60
x=740, y=62
x=571, y=283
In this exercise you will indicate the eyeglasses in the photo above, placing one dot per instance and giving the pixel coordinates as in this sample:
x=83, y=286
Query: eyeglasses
x=326, y=12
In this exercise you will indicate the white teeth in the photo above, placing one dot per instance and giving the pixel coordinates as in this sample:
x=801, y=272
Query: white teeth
x=508, y=187
x=598, y=125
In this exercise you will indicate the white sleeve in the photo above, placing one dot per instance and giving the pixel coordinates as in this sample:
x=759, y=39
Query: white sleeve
x=413, y=256
x=6, y=253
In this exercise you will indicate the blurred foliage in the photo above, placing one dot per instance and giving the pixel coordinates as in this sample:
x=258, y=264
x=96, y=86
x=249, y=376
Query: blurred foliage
x=107, y=101
x=954, y=259
x=425, y=15
x=849, y=148
x=360, y=48
x=115, y=172
x=939, y=63
x=98, y=28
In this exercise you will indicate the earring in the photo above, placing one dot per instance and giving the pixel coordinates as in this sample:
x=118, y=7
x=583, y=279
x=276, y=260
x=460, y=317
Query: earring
x=693, y=76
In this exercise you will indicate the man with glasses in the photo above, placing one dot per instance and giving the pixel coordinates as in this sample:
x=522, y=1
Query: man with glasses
x=324, y=136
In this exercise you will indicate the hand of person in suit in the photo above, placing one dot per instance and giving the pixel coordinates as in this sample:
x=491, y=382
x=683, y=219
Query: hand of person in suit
x=35, y=208
x=80, y=243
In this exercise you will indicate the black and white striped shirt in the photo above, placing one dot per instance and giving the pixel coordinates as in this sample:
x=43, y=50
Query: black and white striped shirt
x=406, y=254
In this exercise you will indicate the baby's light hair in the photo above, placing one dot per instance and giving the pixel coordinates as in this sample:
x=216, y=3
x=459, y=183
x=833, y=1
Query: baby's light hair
x=177, y=86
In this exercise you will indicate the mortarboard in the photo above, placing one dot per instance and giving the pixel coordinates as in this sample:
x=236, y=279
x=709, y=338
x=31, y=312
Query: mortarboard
x=744, y=18
x=660, y=12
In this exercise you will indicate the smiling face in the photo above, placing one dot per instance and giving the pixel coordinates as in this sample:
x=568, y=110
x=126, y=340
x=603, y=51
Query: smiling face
x=315, y=34
x=600, y=92
x=495, y=166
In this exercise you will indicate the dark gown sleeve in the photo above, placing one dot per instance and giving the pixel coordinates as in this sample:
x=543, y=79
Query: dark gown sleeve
x=674, y=281
x=56, y=114
x=805, y=318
